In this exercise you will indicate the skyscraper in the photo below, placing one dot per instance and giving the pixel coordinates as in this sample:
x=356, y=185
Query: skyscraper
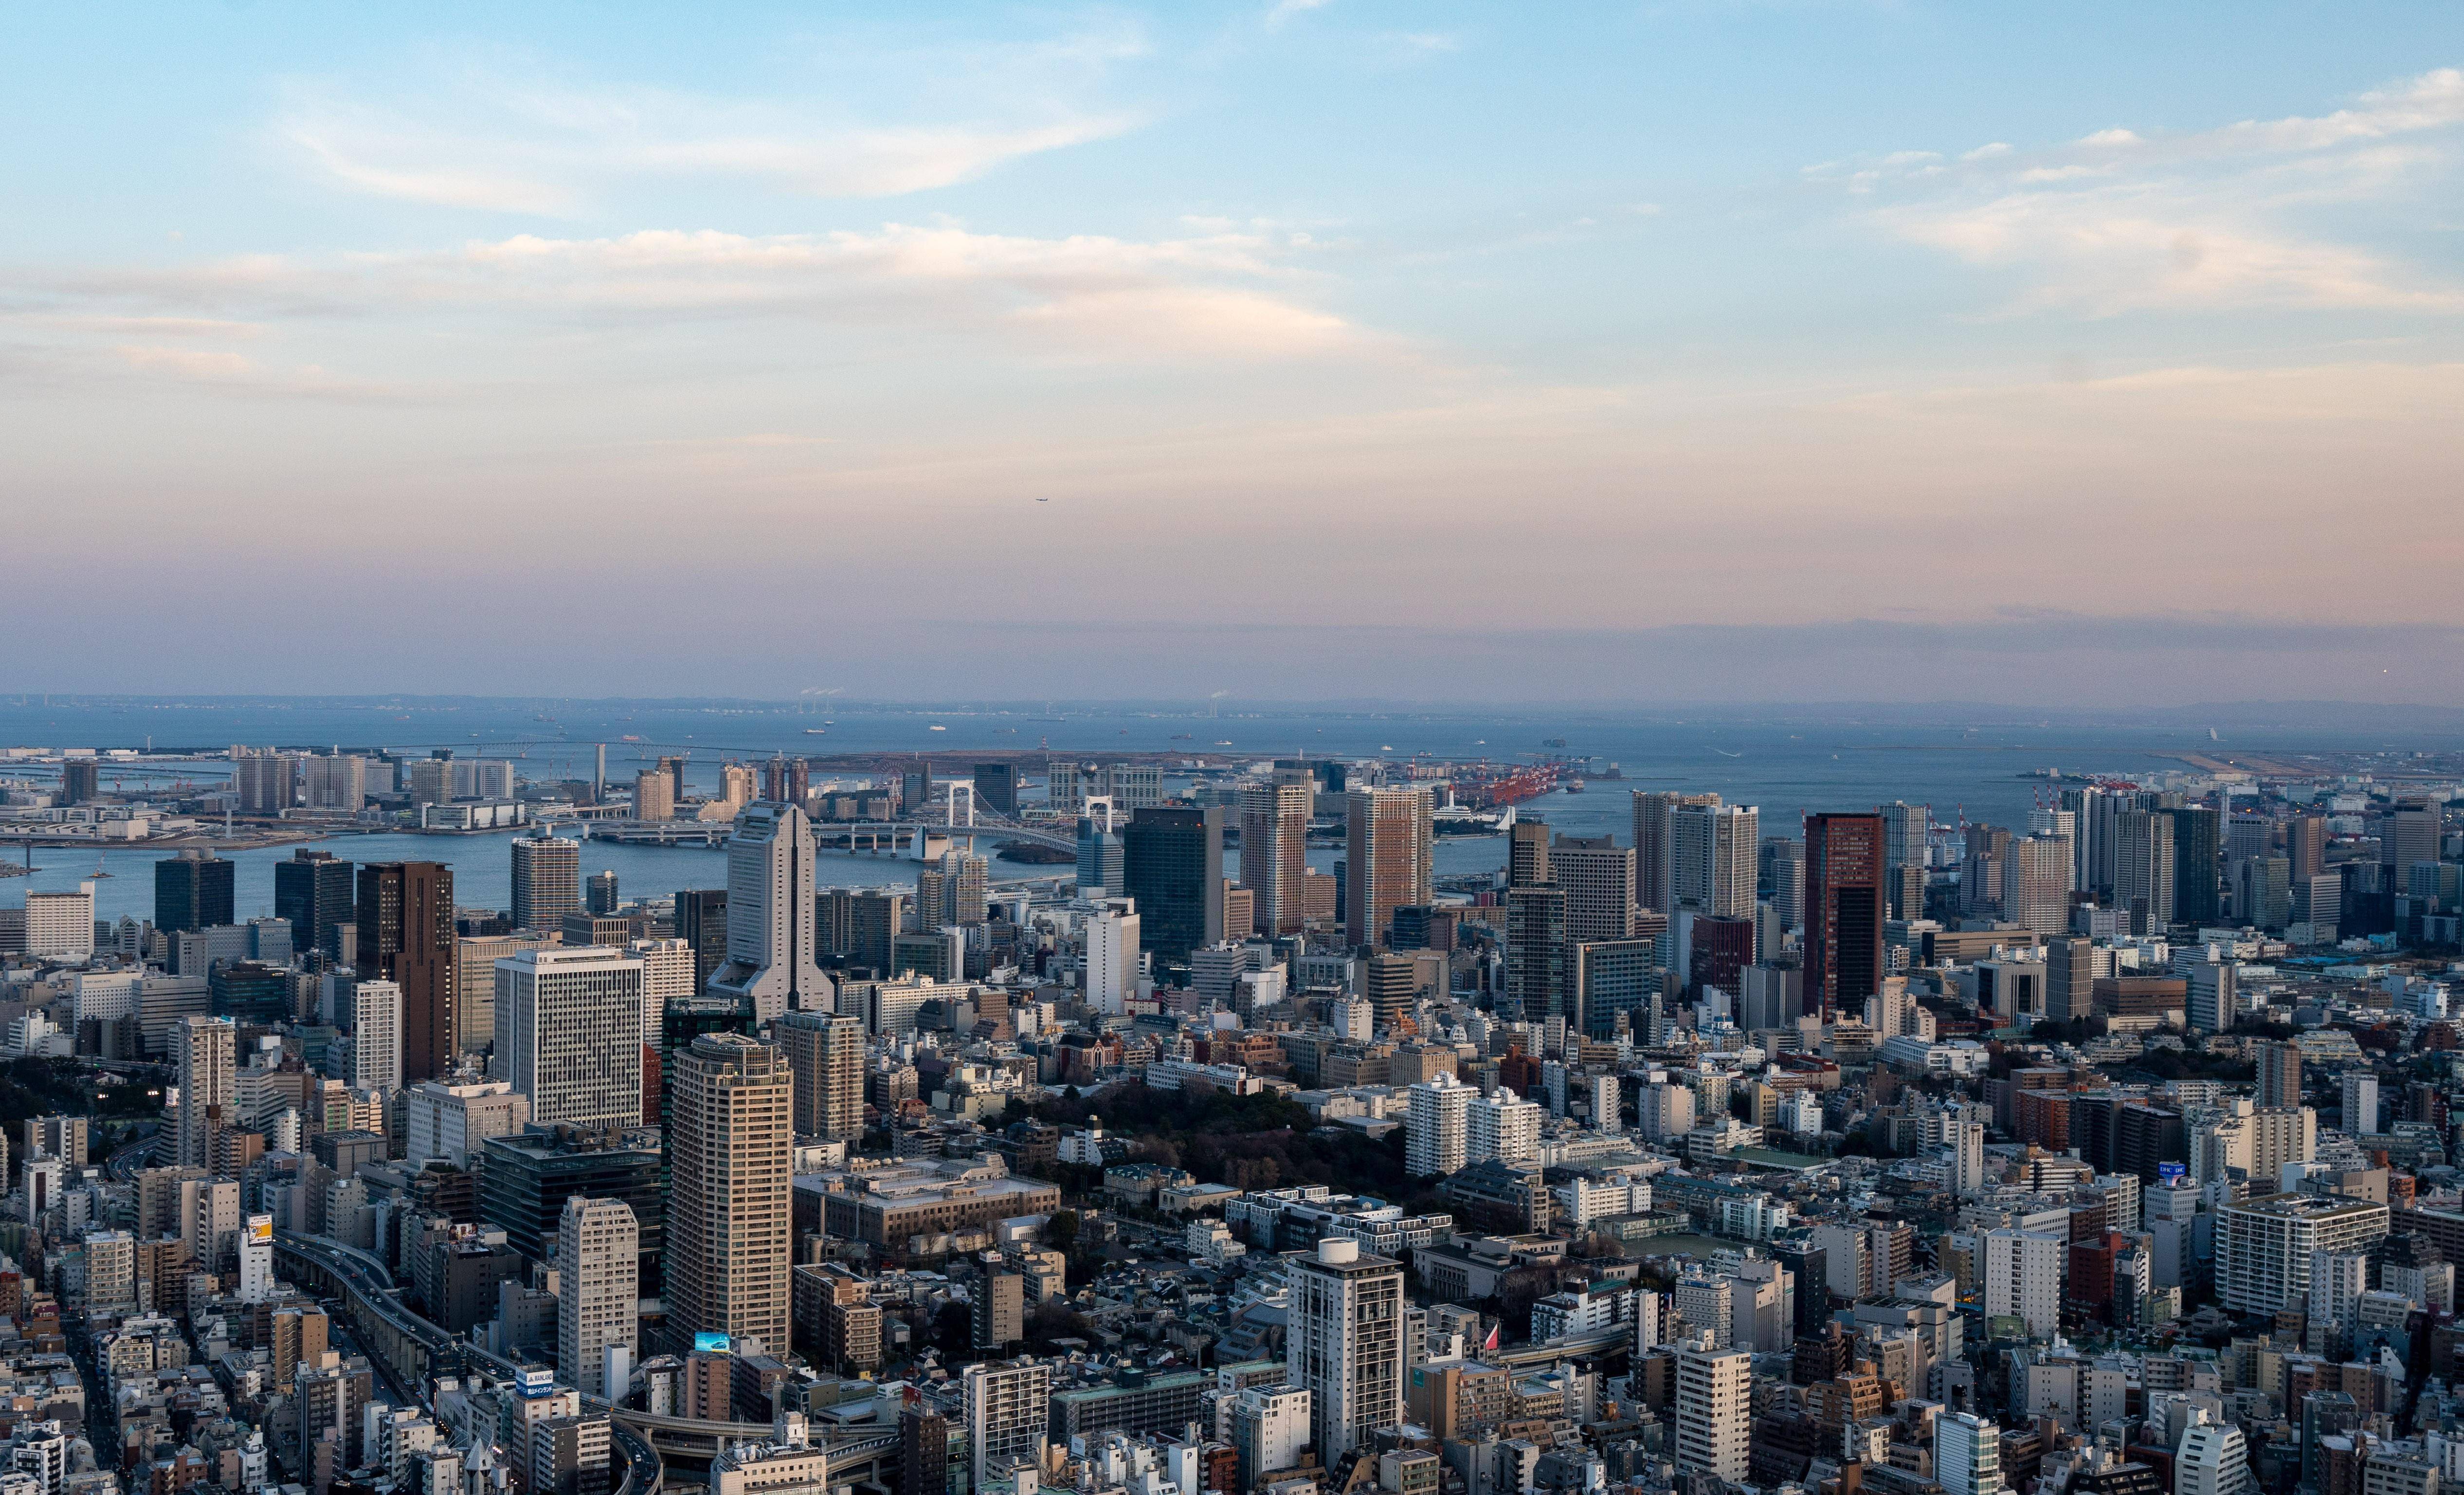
x=1714, y=1407
x=1436, y=1127
x=547, y=881
x=313, y=891
x=825, y=1054
x=376, y=1035
x=195, y=889
x=654, y=795
x=1843, y=911
x=2279, y=1075
x=265, y=781
x=2037, y=882
x=1535, y=926
x=2198, y=866
x=2306, y=845
x=334, y=781
x=1712, y=858
x=1344, y=1343
x=205, y=1051
x=1102, y=862
x=996, y=787
x=81, y=780
x=772, y=959
x=569, y=1033
x=2143, y=868
x=729, y=1152
x=1172, y=866
x=405, y=921
x=598, y=1293
x=1274, y=853
x=1597, y=876
x=1905, y=830
x=1388, y=848
x=701, y=922
x=1655, y=885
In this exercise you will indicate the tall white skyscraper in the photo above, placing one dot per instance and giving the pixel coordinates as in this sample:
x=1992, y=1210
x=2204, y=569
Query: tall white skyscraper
x=1502, y=1127
x=1966, y=1140
x=598, y=1247
x=1344, y=1343
x=772, y=959
x=569, y=1033
x=60, y=926
x=376, y=1035
x=1608, y=1107
x=1274, y=846
x=2023, y=1278
x=2361, y=1100
x=1112, y=956
x=1967, y=1454
x=729, y=1151
x=203, y=1049
x=1712, y=858
x=1714, y=1407
x=1436, y=1127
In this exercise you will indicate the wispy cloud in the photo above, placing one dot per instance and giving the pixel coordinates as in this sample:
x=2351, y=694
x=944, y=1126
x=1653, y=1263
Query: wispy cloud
x=1283, y=11
x=503, y=142
x=1216, y=296
x=2123, y=221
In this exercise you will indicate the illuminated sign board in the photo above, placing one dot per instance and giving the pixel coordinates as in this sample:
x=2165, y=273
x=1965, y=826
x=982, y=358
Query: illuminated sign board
x=710, y=1344
x=260, y=1228
x=2172, y=1172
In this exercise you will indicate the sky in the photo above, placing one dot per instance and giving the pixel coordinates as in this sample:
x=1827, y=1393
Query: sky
x=1300, y=349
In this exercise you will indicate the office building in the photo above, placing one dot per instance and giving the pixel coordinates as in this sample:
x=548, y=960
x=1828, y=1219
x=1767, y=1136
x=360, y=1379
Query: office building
x=203, y=1049
x=996, y=787
x=313, y=891
x=2037, y=884
x=1536, y=927
x=2360, y=1101
x=2211, y=1461
x=453, y=1121
x=2070, y=978
x=1654, y=884
x=1843, y=911
x=1103, y=861
x=996, y=1311
x=1270, y=1428
x=1967, y=1454
x=730, y=1147
x=405, y=937
x=526, y=1177
x=81, y=780
x=600, y=898
x=1388, y=850
x=1612, y=979
x=1714, y=1408
x=701, y=922
x=825, y=1054
x=60, y=926
x=1274, y=854
x=195, y=889
x=569, y=1034
x=1597, y=876
x=376, y=1035
x=2279, y=1075
x=669, y=973
x=1111, y=957
x=2143, y=869
x=1172, y=867
x=265, y=782
x=547, y=881
x=2198, y=866
x=598, y=1294
x=924, y=1446
x=1008, y=1405
x=1345, y=1343
x=1711, y=856
x=772, y=959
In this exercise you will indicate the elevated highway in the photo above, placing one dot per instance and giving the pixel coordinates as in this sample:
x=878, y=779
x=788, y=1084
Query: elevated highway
x=413, y=1349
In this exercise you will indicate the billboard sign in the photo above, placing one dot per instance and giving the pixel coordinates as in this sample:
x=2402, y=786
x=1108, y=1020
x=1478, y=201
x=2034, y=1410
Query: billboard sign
x=260, y=1228
x=2171, y=1174
x=710, y=1344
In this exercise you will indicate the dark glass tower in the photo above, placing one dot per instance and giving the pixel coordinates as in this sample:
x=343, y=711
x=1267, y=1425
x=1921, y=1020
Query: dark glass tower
x=196, y=890
x=313, y=891
x=1171, y=863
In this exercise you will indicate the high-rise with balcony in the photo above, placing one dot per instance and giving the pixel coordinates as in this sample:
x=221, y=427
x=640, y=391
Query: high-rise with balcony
x=826, y=1052
x=1344, y=1343
x=598, y=1293
x=730, y=1146
x=204, y=1050
x=1388, y=851
x=772, y=959
x=1712, y=854
x=1274, y=854
x=1654, y=835
x=1714, y=1407
x=547, y=881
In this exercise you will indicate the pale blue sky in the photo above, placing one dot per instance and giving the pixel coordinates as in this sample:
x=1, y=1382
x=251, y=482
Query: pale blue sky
x=1288, y=345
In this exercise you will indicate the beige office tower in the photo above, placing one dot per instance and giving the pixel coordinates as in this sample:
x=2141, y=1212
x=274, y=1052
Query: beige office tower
x=1654, y=813
x=1598, y=879
x=826, y=1055
x=2037, y=883
x=1274, y=854
x=654, y=795
x=598, y=1250
x=203, y=1049
x=1345, y=1343
x=569, y=1033
x=547, y=881
x=669, y=972
x=729, y=1149
x=1388, y=858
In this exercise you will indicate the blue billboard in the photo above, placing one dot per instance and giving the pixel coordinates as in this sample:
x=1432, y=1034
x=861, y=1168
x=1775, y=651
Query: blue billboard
x=710, y=1344
x=2171, y=1174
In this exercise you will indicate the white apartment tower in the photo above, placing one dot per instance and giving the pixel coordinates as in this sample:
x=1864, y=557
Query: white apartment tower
x=60, y=926
x=1274, y=861
x=1008, y=1410
x=598, y=1245
x=1712, y=858
x=376, y=1035
x=2023, y=1278
x=547, y=882
x=204, y=1048
x=1436, y=1128
x=772, y=960
x=569, y=1033
x=1714, y=1408
x=1503, y=1126
x=826, y=1054
x=1345, y=1344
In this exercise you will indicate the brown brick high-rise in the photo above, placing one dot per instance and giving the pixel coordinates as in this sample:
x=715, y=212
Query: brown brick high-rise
x=1843, y=911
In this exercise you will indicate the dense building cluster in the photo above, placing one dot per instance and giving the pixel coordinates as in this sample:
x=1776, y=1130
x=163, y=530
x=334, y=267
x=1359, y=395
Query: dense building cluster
x=2104, y=1154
